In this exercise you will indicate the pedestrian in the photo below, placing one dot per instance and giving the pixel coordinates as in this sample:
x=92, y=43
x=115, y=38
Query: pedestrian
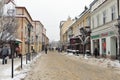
x=46, y=50
x=4, y=53
x=9, y=52
x=96, y=52
x=19, y=52
x=16, y=51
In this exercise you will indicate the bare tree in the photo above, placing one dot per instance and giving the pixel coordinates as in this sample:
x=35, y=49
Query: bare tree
x=8, y=26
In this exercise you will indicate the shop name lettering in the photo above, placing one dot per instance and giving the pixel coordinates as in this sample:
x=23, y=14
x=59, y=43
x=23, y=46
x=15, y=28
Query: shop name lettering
x=104, y=34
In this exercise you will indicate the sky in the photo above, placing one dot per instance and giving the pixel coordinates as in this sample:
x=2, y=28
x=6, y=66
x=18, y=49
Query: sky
x=51, y=12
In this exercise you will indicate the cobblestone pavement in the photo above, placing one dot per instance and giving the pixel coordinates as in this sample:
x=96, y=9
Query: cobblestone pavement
x=54, y=66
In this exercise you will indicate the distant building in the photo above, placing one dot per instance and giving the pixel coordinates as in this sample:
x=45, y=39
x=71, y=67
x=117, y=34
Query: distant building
x=64, y=26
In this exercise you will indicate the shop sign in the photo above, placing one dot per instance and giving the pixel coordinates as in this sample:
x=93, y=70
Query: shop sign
x=103, y=35
x=95, y=36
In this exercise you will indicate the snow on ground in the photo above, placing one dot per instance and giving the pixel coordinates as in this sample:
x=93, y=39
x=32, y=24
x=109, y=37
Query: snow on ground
x=19, y=73
x=103, y=62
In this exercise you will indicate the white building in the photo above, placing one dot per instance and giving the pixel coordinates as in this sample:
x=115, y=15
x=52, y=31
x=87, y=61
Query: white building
x=104, y=15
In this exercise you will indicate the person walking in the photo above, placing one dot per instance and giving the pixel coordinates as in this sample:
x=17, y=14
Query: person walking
x=4, y=53
x=19, y=52
x=96, y=52
x=46, y=50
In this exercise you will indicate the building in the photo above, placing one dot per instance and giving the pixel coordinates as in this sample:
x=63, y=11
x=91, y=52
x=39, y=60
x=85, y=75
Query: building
x=36, y=31
x=104, y=15
x=44, y=38
x=38, y=35
x=20, y=26
x=75, y=36
x=24, y=19
x=64, y=26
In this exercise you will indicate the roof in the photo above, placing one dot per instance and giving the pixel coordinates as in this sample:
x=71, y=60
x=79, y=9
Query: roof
x=8, y=1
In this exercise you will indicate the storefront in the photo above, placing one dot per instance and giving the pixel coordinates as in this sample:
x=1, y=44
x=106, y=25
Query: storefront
x=74, y=43
x=106, y=43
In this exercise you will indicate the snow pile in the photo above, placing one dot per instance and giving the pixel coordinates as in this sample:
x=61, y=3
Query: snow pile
x=114, y=64
x=103, y=62
x=70, y=54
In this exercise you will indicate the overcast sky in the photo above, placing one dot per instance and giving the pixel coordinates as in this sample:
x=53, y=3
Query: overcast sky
x=51, y=12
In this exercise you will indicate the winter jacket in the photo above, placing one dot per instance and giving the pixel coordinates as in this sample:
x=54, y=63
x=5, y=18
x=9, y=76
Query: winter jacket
x=5, y=51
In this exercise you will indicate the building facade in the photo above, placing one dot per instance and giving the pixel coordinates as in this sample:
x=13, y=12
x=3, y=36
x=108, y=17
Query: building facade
x=24, y=19
x=64, y=26
x=38, y=35
x=45, y=39
x=36, y=31
x=82, y=21
x=104, y=15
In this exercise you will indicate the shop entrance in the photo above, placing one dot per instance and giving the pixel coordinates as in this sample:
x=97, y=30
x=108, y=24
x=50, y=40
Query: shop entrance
x=96, y=45
x=114, y=46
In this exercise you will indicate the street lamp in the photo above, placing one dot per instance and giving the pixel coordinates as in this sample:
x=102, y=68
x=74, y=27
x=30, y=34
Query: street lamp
x=11, y=13
x=85, y=36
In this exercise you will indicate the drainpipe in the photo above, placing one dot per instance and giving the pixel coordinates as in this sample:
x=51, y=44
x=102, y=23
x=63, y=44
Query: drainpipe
x=118, y=7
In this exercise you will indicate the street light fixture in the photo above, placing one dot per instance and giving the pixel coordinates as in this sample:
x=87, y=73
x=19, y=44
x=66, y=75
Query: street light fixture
x=11, y=13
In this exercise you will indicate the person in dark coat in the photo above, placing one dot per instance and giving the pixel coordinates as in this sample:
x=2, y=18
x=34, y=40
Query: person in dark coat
x=96, y=52
x=46, y=50
x=4, y=53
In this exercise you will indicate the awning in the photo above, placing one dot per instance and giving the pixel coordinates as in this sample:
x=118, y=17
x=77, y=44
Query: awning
x=18, y=40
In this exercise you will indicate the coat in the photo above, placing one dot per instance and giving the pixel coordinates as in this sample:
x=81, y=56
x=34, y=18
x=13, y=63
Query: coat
x=5, y=51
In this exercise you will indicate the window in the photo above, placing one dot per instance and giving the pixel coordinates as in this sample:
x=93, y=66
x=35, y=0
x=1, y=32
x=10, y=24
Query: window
x=103, y=46
x=98, y=20
x=88, y=21
x=104, y=17
x=26, y=32
x=113, y=12
x=92, y=22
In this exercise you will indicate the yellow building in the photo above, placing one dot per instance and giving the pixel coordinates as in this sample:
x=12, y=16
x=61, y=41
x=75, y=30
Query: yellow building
x=25, y=21
x=22, y=32
x=64, y=26
x=82, y=21
x=38, y=35
x=43, y=38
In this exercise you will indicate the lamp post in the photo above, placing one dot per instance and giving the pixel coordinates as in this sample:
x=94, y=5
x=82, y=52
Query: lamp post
x=11, y=13
x=84, y=31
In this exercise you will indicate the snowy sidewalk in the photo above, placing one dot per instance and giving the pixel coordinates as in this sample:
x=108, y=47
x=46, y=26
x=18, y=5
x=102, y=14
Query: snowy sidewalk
x=5, y=70
x=103, y=62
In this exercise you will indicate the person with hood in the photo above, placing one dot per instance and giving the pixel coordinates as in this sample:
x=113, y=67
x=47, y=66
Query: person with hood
x=46, y=50
x=4, y=53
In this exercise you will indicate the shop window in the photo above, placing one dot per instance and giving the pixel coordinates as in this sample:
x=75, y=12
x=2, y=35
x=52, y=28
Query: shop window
x=104, y=46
